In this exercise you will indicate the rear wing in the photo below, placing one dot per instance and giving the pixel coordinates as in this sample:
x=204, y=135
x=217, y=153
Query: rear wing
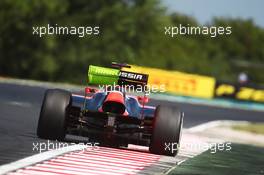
x=115, y=76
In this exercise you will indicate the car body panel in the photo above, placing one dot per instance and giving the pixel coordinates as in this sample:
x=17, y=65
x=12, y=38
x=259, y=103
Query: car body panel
x=95, y=102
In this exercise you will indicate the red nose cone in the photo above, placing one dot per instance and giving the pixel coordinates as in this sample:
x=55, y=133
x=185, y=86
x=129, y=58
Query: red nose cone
x=114, y=103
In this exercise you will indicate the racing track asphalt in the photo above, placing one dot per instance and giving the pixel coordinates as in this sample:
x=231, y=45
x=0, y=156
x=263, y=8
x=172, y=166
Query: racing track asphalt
x=20, y=106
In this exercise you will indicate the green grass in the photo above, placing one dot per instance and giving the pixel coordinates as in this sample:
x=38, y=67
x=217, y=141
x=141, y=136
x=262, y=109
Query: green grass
x=240, y=160
x=257, y=128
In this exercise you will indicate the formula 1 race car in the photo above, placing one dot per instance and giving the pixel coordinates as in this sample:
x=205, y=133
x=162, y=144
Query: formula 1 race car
x=110, y=114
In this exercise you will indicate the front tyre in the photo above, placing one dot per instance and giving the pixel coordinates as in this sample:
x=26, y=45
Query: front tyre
x=53, y=114
x=166, y=132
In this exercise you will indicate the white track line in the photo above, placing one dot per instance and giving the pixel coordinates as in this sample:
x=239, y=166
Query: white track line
x=190, y=138
x=204, y=126
x=71, y=161
x=212, y=124
x=108, y=156
x=20, y=104
x=37, y=158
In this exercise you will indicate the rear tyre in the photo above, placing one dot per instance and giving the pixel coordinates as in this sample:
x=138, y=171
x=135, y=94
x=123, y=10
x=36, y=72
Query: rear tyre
x=166, y=132
x=53, y=114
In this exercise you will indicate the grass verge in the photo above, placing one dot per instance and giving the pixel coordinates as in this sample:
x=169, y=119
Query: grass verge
x=256, y=128
x=240, y=160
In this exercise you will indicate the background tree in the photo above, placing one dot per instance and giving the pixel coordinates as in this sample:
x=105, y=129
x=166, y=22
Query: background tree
x=131, y=31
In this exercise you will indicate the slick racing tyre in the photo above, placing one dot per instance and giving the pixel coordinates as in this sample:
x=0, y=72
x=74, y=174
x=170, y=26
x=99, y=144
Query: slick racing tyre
x=53, y=114
x=167, y=126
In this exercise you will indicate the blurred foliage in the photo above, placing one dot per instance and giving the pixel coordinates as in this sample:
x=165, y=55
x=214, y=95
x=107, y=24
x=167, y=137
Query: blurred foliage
x=131, y=31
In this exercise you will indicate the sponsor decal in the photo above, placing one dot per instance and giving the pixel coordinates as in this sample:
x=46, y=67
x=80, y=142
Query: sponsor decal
x=178, y=82
x=133, y=76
